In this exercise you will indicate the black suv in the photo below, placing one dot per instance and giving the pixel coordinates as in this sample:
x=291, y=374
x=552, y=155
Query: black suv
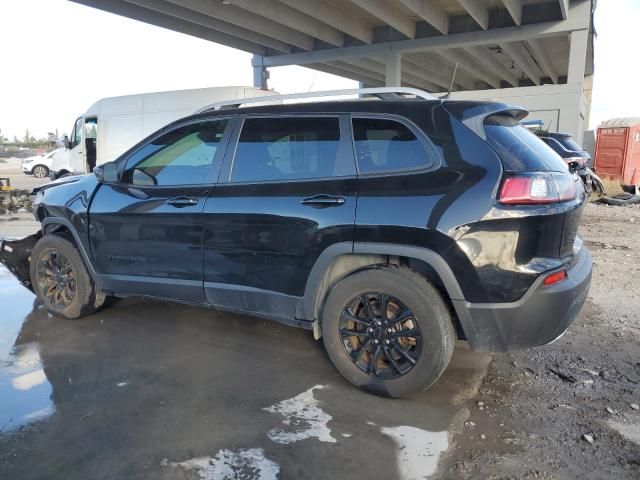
x=565, y=146
x=390, y=227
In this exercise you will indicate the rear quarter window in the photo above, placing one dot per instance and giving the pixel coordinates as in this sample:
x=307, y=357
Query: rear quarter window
x=384, y=145
x=518, y=148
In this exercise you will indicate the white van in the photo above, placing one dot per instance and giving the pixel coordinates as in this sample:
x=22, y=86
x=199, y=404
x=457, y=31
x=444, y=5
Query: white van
x=113, y=125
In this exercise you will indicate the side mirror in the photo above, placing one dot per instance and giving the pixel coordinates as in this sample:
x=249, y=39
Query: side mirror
x=106, y=173
x=67, y=143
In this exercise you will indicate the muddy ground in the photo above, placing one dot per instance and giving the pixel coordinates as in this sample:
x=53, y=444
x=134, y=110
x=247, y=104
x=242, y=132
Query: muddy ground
x=563, y=411
x=537, y=411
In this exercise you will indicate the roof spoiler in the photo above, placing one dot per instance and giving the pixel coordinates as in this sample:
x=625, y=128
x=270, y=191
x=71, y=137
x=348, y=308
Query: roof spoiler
x=473, y=114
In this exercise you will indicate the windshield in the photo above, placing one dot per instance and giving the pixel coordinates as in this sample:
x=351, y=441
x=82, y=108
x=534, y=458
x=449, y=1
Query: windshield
x=518, y=148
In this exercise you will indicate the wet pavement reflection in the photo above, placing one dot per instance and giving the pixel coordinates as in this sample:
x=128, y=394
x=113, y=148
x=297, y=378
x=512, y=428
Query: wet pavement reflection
x=148, y=389
x=25, y=392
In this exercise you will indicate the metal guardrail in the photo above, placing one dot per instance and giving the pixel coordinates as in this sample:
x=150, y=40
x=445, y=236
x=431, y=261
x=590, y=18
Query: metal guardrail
x=381, y=92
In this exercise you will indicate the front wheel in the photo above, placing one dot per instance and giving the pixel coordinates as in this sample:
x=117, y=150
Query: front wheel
x=61, y=280
x=387, y=330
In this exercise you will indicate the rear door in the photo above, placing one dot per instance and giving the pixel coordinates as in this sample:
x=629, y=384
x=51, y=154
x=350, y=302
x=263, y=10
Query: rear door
x=287, y=191
x=146, y=230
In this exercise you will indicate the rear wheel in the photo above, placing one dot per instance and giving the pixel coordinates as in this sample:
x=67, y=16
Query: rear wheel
x=388, y=331
x=40, y=171
x=60, y=279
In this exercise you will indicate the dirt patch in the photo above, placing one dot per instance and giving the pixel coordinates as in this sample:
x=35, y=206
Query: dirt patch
x=568, y=410
x=612, y=187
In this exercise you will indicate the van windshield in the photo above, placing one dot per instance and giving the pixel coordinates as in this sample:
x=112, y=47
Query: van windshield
x=518, y=148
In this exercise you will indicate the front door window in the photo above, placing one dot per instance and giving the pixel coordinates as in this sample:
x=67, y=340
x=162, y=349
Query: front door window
x=183, y=156
x=76, y=137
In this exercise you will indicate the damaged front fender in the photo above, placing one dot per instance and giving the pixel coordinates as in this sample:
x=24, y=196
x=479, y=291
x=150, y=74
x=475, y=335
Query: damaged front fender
x=16, y=256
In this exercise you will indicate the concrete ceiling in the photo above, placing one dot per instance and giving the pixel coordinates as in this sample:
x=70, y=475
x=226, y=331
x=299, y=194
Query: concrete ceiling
x=496, y=43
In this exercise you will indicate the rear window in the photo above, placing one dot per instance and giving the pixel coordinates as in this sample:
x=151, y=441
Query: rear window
x=570, y=144
x=518, y=148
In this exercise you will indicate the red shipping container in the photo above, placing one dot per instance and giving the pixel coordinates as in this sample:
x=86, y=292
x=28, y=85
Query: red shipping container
x=618, y=150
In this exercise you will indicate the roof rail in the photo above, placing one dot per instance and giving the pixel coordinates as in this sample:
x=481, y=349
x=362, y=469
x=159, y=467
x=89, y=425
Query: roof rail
x=381, y=92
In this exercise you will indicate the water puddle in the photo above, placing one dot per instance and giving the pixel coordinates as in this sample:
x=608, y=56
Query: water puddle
x=245, y=464
x=629, y=429
x=303, y=417
x=25, y=392
x=418, y=450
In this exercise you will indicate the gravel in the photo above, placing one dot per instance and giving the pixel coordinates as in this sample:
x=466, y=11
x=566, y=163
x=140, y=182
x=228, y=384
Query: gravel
x=568, y=410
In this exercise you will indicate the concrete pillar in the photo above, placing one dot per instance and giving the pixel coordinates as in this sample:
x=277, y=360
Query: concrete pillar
x=577, y=56
x=572, y=110
x=574, y=121
x=393, y=69
x=587, y=90
x=260, y=73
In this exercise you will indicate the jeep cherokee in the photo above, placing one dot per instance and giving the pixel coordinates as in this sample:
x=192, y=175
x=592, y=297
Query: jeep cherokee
x=390, y=227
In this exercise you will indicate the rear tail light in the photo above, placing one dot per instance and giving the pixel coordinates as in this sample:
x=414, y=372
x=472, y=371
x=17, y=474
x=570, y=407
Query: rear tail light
x=537, y=189
x=555, y=277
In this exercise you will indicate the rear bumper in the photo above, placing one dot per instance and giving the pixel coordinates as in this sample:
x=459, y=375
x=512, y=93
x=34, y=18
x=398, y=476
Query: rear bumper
x=541, y=316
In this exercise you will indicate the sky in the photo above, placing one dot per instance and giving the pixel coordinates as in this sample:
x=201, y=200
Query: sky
x=59, y=57
x=616, y=83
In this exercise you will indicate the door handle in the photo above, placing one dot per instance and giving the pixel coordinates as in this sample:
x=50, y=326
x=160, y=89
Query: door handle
x=323, y=201
x=180, y=202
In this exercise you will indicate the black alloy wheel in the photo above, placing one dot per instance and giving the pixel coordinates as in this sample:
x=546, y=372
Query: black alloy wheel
x=387, y=330
x=56, y=279
x=61, y=280
x=380, y=335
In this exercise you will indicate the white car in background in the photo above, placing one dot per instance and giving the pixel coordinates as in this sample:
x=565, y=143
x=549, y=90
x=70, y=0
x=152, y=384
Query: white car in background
x=40, y=165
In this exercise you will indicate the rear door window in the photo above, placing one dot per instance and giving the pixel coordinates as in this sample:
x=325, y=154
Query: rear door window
x=387, y=145
x=287, y=148
x=518, y=148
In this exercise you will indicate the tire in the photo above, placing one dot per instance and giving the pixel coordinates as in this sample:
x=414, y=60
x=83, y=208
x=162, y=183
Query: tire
x=401, y=287
x=55, y=260
x=40, y=171
x=621, y=199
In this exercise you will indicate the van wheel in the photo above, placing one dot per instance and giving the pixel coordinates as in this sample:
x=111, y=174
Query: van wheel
x=60, y=279
x=388, y=331
x=40, y=171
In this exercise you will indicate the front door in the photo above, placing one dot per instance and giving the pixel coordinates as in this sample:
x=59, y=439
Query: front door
x=286, y=192
x=146, y=230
